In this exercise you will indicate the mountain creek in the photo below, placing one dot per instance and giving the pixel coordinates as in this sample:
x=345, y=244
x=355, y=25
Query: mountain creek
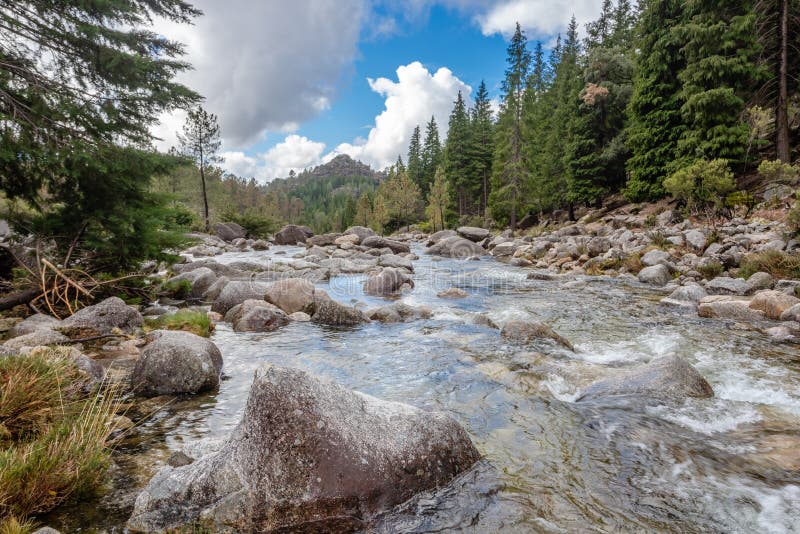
x=550, y=462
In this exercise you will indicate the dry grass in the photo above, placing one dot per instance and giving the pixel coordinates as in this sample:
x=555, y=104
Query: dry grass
x=778, y=264
x=14, y=525
x=56, y=447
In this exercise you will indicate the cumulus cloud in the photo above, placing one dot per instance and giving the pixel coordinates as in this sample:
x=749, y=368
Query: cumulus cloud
x=411, y=100
x=266, y=66
x=541, y=17
x=294, y=153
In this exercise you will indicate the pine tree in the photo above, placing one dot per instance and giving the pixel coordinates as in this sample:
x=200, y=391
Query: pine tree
x=600, y=30
x=399, y=165
x=438, y=200
x=509, y=172
x=81, y=83
x=456, y=155
x=415, y=171
x=720, y=48
x=481, y=146
x=536, y=123
x=363, y=210
x=656, y=123
x=200, y=141
x=380, y=214
x=432, y=155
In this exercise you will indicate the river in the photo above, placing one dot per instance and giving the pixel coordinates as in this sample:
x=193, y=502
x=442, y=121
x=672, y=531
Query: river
x=725, y=464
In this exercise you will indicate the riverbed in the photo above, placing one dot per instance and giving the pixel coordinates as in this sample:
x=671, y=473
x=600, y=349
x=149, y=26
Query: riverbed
x=725, y=464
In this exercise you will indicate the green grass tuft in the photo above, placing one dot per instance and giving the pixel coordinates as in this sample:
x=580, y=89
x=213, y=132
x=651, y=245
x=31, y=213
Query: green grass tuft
x=196, y=322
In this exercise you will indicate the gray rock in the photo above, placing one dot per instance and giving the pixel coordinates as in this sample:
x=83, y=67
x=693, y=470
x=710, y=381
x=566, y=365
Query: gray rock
x=213, y=291
x=35, y=322
x=456, y=247
x=597, y=246
x=229, y=231
x=201, y=279
x=656, y=275
x=655, y=257
x=695, y=239
x=792, y=314
x=175, y=362
x=665, y=377
x=398, y=262
x=361, y=231
x=42, y=336
x=376, y=241
x=300, y=317
x=256, y=316
x=47, y=530
x=529, y=331
x=291, y=295
x=330, y=312
x=388, y=282
x=722, y=285
x=773, y=303
x=260, y=244
x=323, y=240
x=505, y=249
x=292, y=235
x=452, y=293
x=398, y=313
x=102, y=319
x=687, y=296
x=473, y=233
x=308, y=455
x=438, y=236
x=236, y=292
x=759, y=281
x=790, y=287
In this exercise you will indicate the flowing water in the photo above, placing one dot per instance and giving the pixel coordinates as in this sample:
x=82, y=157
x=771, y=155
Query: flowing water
x=725, y=464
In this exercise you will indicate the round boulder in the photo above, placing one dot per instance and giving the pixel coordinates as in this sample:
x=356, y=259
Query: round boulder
x=175, y=362
x=473, y=233
x=529, y=331
x=291, y=294
x=256, y=316
x=388, y=282
x=292, y=235
x=102, y=319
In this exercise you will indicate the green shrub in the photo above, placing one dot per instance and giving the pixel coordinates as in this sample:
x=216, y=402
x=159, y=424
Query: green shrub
x=650, y=221
x=702, y=184
x=176, y=289
x=710, y=270
x=793, y=218
x=196, y=322
x=257, y=225
x=775, y=171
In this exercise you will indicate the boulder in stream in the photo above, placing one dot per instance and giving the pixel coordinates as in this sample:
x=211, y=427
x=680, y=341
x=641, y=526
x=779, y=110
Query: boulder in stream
x=255, y=315
x=101, y=319
x=388, y=282
x=529, y=331
x=665, y=377
x=307, y=456
x=291, y=294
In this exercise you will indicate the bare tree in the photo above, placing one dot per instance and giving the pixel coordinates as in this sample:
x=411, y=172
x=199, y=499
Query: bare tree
x=200, y=142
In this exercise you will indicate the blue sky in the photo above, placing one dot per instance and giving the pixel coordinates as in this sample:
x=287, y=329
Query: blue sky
x=296, y=82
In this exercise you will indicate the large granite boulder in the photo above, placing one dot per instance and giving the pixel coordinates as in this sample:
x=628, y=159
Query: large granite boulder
x=361, y=231
x=773, y=303
x=687, y=296
x=376, y=241
x=200, y=281
x=656, y=275
x=322, y=240
x=665, y=377
x=438, y=236
x=456, y=247
x=236, y=292
x=329, y=312
x=723, y=285
x=307, y=456
x=175, y=362
x=388, y=282
x=256, y=316
x=473, y=233
x=291, y=294
x=102, y=319
x=40, y=337
x=229, y=231
x=37, y=321
x=292, y=234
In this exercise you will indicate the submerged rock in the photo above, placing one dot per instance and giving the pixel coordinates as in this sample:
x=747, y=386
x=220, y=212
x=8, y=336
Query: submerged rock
x=452, y=293
x=311, y=456
x=102, y=319
x=529, y=331
x=388, y=282
x=330, y=312
x=665, y=377
x=175, y=362
x=399, y=312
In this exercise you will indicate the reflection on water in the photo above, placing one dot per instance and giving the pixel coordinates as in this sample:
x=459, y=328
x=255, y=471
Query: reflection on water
x=727, y=464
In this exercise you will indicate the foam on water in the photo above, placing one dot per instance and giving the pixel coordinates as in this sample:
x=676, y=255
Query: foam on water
x=709, y=416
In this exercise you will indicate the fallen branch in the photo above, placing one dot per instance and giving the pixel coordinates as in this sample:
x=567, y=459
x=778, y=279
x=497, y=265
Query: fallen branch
x=20, y=297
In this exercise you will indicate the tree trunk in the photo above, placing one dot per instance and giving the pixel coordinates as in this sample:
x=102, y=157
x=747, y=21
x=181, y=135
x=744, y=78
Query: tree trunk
x=20, y=297
x=513, y=211
x=485, y=198
x=781, y=110
x=205, y=197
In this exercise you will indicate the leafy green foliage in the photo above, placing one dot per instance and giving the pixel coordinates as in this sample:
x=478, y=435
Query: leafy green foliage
x=701, y=184
x=196, y=322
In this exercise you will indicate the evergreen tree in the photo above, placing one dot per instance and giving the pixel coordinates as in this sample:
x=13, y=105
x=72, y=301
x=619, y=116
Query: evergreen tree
x=600, y=30
x=655, y=109
x=380, y=214
x=720, y=47
x=456, y=155
x=399, y=164
x=415, y=171
x=431, y=155
x=509, y=171
x=200, y=141
x=363, y=211
x=481, y=145
x=536, y=123
x=81, y=83
x=438, y=200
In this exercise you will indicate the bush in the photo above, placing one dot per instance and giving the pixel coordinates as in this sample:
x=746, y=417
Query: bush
x=740, y=202
x=702, y=184
x=775, y=171
x=56, y=442
x=793, y=218
x=710, y=270
x=258, y=226
x=196, y=322
x=14, y=525
x=778, y=264
x=176, y=289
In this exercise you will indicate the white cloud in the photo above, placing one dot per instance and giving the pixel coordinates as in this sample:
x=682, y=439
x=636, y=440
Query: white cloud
x=295, y=153
x=541, y=17
x=266, y=66
x=411, y=100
